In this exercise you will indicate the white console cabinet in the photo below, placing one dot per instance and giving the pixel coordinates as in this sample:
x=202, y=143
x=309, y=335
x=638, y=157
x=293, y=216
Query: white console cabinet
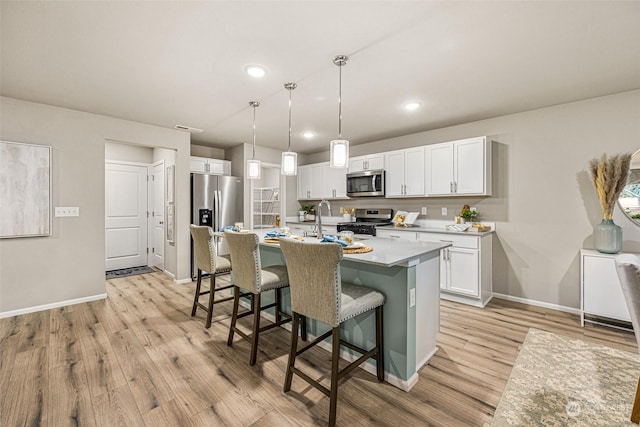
x=601, y=291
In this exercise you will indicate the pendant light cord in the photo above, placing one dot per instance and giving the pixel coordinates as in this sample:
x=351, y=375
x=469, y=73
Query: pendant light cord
x=289, y=148
x=254, y=104
x=340, y=103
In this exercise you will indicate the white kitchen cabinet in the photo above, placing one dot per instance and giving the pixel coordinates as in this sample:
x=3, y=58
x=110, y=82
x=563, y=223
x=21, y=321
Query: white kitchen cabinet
x=212, y=166
x=465, y=267
x=601, y=290
x=319, y=181
x=304, y=182
x=393, y=233
x=405, y=172
x=459, y=168
x=369, y=162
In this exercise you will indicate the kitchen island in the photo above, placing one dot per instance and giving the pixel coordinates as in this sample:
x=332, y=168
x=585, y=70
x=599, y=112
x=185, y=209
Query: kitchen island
x=407, y=273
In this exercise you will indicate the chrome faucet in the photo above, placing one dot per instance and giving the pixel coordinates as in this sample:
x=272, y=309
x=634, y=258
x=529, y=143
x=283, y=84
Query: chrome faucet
x=319, y=214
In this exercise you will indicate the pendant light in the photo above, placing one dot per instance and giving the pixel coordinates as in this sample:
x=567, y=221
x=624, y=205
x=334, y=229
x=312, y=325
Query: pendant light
x=289, y=158
x=339, y=152
x=253, y=165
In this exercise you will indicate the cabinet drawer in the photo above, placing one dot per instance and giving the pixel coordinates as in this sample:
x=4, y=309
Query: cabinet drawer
x=470, y=242
x=393, y=234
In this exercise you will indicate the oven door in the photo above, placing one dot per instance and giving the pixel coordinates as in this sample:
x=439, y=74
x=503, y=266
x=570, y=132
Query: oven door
x=366, y=184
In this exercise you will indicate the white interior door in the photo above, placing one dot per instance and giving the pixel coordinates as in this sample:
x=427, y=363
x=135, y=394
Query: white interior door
x=157, y=217
x=125, y=215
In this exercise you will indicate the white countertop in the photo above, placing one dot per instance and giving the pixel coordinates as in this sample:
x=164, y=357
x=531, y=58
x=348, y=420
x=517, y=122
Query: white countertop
x=386, y=252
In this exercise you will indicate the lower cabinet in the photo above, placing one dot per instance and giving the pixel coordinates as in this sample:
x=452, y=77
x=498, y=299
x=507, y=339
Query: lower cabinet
x=601, y=291
x=465, y=267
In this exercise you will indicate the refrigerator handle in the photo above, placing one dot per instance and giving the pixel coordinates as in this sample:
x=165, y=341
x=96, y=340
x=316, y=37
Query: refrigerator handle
x=219, y=209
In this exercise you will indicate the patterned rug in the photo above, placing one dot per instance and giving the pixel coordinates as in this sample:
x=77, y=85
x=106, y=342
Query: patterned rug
x=560, y=381
x=114, y=274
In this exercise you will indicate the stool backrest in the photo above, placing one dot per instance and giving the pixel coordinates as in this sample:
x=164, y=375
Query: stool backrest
x=245, y=258
x=204, y=248
x=314, y=279
x=628, y=267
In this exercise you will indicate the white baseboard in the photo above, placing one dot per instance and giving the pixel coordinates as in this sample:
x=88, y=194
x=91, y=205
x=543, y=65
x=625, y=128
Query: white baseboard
x=182, y=281
x=538, y=303
x=36, y=308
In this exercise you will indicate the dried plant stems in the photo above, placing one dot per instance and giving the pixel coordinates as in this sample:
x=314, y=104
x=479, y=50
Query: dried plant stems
x=609, y=178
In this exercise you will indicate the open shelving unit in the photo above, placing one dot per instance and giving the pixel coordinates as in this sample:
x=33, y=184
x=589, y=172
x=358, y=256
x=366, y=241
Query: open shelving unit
x=266, y=205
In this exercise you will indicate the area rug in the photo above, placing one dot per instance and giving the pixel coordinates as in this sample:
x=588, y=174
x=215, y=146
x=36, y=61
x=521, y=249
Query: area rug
x=124, y=272
x=560, y=381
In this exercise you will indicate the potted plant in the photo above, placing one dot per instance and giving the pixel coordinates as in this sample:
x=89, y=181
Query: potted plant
x=468, y=214
x=305, y=211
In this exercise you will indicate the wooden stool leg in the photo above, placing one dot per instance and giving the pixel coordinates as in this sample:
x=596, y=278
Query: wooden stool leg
x=278, y=304
x=292, y=352
x=212, y=296
x=635, y=410
x=303, y=328
x=335, y=356
x=234, y=314
x=256, y=329
x=197, y=296
x=379, y=356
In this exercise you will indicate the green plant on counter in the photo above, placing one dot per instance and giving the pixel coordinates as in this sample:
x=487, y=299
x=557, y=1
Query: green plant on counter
x=468, y=214
x=635, y=216
x=307, y=208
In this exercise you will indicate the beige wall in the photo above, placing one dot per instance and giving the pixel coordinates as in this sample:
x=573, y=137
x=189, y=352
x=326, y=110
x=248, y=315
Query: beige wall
x=70, y=264
x=127, y=153
x=543, y=201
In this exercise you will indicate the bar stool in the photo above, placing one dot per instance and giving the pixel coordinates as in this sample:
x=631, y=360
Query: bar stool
x=207, y=260
x=249, y=275
x=318, y=292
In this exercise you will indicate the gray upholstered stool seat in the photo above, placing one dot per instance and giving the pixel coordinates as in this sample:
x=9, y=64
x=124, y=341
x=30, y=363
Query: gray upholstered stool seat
x=250, y=276
x=318, y=292
x=208, y=261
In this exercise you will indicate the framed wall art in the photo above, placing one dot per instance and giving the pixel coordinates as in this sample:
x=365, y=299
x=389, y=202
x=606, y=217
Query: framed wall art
x=171, y=184
x=25, y=190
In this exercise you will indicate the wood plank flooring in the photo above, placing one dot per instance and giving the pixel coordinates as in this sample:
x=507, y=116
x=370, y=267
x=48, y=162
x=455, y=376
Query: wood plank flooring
x=139, y=359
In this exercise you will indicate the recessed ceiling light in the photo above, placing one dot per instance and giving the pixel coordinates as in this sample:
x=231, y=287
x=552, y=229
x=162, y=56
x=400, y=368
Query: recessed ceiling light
x=308, y=134
x=413, y=105
x=255, y=70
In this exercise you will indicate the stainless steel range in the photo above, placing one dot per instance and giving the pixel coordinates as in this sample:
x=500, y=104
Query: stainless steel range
x=367, y=220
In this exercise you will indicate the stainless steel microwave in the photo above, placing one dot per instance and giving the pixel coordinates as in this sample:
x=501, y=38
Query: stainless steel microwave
x=366, y=183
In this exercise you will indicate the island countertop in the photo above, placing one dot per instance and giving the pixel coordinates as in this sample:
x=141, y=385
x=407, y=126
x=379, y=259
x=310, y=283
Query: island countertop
x=386, y=252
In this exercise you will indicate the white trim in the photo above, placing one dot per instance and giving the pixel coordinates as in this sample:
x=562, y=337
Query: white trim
x=564, y=308
x=182, y=281
x=52, y=305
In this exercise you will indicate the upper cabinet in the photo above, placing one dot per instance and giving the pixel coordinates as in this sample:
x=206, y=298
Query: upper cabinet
x=212, y=166
x=319, y=181
x=405, y=172
x=459, y=168
x=363, y=163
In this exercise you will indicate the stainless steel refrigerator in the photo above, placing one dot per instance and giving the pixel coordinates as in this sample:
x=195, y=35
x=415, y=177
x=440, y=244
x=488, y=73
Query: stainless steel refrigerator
x=216, y=201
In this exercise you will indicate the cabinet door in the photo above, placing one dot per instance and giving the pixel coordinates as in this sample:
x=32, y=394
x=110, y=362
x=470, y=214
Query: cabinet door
x=304, y=183
x=414, y=171
x=215, y=166
x=470, y=166
x=335, y=183
x=393, y=234
x=463, y=271
x=395, y=170
x=356, y=164
x=317, y=180
x=375, y=161
x=602, y=291
x=197, y=164
x=439, y=168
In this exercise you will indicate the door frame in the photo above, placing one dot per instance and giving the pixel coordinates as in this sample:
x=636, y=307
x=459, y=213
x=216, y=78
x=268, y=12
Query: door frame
x=151, y=243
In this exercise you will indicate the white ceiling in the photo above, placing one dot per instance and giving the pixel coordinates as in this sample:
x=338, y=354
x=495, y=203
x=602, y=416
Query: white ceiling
x=168, y=63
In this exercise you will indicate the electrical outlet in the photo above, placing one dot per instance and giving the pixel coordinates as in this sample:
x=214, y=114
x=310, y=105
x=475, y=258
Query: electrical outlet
x=444, y=211
x=67, y=211
x=424, y=210
x=412, y=297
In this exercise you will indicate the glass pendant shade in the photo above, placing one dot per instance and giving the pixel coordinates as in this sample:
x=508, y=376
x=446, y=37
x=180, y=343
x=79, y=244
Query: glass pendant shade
x=339, y=153
x=253, y=169
x=289, y=163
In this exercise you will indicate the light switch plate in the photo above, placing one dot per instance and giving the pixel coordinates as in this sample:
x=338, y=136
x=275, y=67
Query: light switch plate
x=67, y=211
x=412, y=297
x=424, y=210
x=444, y=211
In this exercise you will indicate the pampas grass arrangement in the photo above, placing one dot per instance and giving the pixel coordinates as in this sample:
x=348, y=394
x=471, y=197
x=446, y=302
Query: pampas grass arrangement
x=609, y=178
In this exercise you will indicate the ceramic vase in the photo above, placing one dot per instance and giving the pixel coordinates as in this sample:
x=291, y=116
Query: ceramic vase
x=607, y=237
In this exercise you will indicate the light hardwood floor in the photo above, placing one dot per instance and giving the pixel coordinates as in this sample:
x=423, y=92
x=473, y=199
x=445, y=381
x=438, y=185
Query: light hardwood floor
x=139, y=359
